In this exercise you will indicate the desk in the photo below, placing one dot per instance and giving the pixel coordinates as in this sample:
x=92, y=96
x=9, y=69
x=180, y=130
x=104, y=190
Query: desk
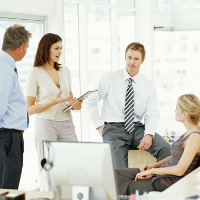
x=137, y=157
x=186, y=187
x=29, y=194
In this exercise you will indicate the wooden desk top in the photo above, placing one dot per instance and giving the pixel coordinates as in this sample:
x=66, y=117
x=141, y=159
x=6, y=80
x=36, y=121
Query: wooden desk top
x=185, y=187
x=29, y=194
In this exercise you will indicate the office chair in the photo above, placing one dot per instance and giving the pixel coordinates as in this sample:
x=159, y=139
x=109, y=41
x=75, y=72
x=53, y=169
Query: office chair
x=169, y=176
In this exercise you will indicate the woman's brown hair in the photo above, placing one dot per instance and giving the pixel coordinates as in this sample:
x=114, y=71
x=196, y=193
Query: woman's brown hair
x=43, y=51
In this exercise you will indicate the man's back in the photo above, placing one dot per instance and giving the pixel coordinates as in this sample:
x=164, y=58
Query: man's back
x=13, y=113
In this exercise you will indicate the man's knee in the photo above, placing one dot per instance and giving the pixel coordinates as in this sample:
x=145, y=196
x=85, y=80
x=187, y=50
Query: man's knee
x=160, y=148
x=164, y=151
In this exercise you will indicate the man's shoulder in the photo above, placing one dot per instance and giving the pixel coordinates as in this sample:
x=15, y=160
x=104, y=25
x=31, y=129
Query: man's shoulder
x=111, y=76
x=144, y=79
x=5, y=67
x=114, y=74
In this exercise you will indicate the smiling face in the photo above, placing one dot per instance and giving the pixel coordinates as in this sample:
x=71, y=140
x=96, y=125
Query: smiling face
x=55, y=51
x=133, y=62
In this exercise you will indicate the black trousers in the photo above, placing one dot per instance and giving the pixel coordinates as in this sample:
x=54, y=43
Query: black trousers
x=11, y=159
x=121, y=142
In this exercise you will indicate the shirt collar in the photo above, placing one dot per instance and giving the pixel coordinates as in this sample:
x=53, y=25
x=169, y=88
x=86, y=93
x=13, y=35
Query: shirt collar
x=8, y=58
x=127, y=76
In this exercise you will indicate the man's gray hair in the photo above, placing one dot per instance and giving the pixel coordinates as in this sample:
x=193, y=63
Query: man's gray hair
x=15, y=36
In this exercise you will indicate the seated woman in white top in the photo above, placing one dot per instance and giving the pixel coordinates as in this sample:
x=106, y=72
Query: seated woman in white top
x=48, y=92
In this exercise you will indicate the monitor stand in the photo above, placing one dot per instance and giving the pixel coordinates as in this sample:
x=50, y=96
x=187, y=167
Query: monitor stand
x=80, y=193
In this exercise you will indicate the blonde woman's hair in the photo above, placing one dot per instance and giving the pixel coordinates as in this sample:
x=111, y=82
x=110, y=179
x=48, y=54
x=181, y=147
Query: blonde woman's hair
x=191, y=104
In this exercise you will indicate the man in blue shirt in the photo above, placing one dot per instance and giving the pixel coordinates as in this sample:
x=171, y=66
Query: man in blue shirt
x=13, y=108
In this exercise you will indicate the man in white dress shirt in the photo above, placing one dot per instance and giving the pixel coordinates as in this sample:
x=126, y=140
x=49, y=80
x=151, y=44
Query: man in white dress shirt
x=111, y=122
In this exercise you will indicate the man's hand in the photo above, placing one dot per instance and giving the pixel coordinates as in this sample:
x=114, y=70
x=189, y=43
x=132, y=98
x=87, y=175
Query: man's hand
x=100, y=129
x=146, y=142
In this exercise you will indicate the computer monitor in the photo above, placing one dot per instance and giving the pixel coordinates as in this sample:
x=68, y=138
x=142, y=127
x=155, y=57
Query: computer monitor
x=79, y=166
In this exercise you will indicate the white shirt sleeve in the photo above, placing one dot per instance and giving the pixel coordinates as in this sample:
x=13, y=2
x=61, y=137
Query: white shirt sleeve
x=151, y=116
x=91, y=104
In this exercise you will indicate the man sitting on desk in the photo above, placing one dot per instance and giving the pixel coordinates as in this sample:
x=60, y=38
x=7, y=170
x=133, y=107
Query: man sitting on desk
x=127, y=97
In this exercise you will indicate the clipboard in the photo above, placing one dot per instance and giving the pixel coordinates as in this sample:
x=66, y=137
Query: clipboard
x=87, y=94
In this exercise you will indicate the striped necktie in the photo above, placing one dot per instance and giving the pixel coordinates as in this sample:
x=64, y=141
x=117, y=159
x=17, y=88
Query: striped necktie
x=16, y=71
x=129, y=107
x=27, y=111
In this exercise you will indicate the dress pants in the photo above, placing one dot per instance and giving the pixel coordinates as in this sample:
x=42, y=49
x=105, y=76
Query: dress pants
x=51, y=130
x=121, y=142
x=127, y=184
x=11, y=159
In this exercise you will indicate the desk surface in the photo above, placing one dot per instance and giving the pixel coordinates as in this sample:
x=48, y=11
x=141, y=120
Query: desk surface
x=29, y=194
x=186, y=187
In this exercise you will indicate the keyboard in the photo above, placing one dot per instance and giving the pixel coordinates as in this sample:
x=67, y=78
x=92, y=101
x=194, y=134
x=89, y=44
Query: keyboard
x=123, y=197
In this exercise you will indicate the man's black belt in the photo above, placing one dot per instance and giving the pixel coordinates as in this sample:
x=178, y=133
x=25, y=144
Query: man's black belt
x=121, y=123
x=11, y=130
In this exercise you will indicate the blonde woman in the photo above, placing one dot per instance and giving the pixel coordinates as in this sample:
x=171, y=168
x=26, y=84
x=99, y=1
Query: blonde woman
x=185, y=153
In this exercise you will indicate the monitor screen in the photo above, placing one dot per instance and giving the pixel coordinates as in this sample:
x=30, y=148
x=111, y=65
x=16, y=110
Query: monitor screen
x=81, y=166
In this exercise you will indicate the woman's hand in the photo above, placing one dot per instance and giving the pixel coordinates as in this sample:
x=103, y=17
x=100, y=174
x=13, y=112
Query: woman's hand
x=76, y=104
x=144, y=175
x=144, y=167
x=59, y=99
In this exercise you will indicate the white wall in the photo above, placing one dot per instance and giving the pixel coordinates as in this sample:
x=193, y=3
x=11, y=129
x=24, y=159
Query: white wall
x=177, y=20
x=35, y=7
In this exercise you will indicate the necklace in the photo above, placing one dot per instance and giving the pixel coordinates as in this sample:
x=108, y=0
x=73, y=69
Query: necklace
x=187, y=133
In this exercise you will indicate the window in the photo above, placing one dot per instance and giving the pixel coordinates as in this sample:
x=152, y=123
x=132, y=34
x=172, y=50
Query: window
x=130, y=3
x=126, y=30
x=72, y=55
x=98, y=36
x=176, y=73
x=178, y=5
x=98, y=32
